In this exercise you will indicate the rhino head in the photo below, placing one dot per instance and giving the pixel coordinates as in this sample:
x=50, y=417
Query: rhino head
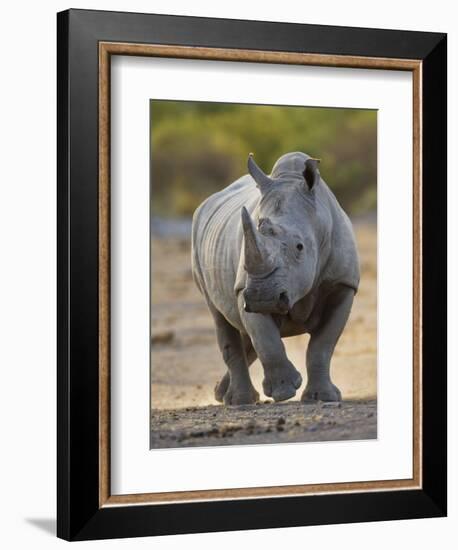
x=281, y=243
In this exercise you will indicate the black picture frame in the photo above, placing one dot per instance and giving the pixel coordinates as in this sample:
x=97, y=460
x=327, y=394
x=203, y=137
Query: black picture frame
x=79, y=514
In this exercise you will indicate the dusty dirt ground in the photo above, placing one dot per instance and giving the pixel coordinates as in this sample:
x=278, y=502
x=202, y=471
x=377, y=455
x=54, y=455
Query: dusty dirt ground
x=286, y=422
x=186, y=364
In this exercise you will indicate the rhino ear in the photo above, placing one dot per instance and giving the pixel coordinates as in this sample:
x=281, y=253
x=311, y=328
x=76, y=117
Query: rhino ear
x=263, y=181
x=311, y=172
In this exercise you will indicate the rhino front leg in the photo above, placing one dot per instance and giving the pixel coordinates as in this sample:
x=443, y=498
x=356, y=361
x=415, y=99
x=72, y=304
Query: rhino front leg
x=323, y=340
x=250, y=356
x=237, y=386
x=281, y=379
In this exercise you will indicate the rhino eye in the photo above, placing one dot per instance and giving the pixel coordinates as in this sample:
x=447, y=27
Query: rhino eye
x=300, y=246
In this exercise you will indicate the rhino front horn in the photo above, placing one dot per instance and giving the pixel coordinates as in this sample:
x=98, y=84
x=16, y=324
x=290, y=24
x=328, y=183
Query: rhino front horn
x=256, y=258
x=262, y=180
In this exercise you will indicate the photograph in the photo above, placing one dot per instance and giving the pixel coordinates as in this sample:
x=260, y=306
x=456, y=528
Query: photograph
x=263, y=274
x=251, y=273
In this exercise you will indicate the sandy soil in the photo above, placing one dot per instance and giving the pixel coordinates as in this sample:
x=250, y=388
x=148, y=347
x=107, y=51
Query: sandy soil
x=186, y=364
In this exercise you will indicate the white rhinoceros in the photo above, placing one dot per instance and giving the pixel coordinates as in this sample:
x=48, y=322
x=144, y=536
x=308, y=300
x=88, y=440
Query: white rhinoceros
x=275, y=256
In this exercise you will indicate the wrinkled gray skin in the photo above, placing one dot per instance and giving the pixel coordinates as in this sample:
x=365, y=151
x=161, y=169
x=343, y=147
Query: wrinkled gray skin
x=275, y=256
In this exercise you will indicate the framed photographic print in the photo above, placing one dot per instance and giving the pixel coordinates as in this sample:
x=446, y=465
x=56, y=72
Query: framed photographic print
x=252, y=274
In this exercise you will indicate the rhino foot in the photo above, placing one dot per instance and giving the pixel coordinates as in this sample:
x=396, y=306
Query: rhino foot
x=282, y=383
x=241, y=396
x=322, y=392
x=221, y=388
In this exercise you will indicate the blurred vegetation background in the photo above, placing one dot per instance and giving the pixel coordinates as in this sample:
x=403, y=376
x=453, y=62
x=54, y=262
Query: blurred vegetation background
x=198, y=148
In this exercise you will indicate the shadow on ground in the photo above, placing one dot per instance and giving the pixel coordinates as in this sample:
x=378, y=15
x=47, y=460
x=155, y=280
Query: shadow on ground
x=48, y=525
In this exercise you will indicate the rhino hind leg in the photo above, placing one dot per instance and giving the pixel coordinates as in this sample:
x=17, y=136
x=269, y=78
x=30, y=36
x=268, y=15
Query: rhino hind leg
x=236, y=384
x=250, y=356
x=321, y=347
x=221, y=387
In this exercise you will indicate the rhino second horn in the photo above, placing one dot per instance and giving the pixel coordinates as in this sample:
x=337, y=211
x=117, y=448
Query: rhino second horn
x=256, y=260
x=262, y=180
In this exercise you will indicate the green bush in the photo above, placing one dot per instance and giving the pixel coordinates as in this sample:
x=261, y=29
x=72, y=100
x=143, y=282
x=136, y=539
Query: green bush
x=198, y=148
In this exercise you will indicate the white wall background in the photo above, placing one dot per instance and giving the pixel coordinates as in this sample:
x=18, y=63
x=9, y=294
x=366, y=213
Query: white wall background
x=27, y=272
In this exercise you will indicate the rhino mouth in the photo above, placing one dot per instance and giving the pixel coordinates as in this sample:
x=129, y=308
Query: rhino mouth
x=254, y=303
